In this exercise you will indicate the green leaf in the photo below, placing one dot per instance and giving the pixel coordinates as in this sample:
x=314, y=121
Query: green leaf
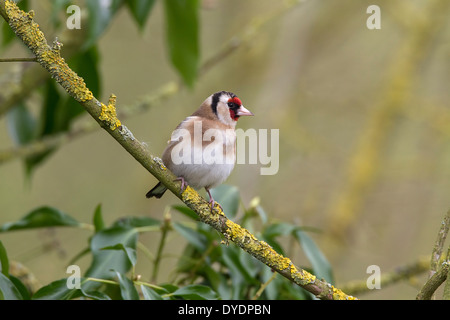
x=271, y=291
x=58, y=290
x=167, y=288
x=7, y=34
x=150, y=294
x=47, y=124
x=86, y=64
x=50, y=106
x=272, y=231
x=99, y=224
x=140, y=9
x=232, y=259
x=228, y=197
x=24, y=5
x=8, y=290
x=136, y=222
x=292, y=291
x=196, y=292
x=105, y=260
x=94, y=295
x=21, y=124
x=4, y=269
x=188, y=212
x=127, y=288
x=40, y=218
x=23, y=290
x=241, y=279
x=130, y=252
x=60, y=111
x=100, y=16
x=319, y=263
x=218, y=281
x=4, y=261
x=23, y=129
x=198, y=240
x=279, y=229
x=182, y=31
x=56, y=8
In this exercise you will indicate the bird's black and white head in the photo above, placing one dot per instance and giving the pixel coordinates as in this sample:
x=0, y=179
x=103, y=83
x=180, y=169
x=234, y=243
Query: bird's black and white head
x=226, y=107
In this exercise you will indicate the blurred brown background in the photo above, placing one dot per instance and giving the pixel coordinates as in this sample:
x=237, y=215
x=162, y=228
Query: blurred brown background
x=363, y=118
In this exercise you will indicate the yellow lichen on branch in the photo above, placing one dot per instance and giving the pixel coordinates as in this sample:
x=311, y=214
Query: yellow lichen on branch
x=194, y=200
x=302, y=277
x=259, y=249
x=109, y=114
x=338, y=294
x=23, y=25
x=189, y=195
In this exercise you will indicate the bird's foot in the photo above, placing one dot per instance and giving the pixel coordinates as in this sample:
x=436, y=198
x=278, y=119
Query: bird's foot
x=183, y=183
x=213, y=203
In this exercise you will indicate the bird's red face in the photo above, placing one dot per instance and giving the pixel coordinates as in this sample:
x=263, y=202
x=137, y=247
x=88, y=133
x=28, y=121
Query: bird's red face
x=237, y=109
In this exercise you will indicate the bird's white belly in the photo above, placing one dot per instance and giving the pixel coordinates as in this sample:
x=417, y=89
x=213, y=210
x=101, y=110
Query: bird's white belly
x=204, y=175
x=207, y=167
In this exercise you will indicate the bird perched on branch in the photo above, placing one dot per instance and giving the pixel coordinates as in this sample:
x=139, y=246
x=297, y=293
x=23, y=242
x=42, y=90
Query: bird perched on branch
x=202, y=151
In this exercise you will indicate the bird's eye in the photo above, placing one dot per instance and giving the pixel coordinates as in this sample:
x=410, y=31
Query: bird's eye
x=230, y=104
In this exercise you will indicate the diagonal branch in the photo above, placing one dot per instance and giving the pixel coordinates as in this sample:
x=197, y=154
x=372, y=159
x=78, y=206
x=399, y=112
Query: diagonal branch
x=427, y=291
x=439, y=244
x=439, y=270
x=49, y=58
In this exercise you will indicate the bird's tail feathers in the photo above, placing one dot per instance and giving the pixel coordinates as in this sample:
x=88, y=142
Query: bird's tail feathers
x=157, y=191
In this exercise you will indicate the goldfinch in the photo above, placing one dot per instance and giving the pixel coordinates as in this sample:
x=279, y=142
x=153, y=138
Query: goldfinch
x=202, y=151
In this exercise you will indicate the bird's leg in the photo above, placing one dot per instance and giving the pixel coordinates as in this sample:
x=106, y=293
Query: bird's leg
x=183, y=183
x=212, y=202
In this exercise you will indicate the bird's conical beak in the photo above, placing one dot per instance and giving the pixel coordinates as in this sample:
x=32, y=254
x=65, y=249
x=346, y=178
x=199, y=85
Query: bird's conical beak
x=242, y=111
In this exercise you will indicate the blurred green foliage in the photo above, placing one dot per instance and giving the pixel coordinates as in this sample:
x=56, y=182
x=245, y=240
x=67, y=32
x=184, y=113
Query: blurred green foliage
x=209, y=267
